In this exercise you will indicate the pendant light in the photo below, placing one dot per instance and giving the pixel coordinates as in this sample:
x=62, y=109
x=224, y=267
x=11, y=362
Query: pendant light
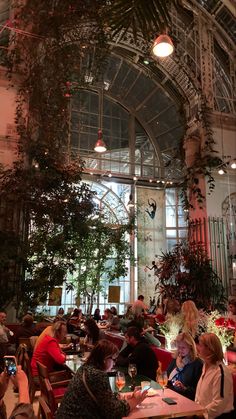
x=163, y=46
x=100, y=145
x=131, y=202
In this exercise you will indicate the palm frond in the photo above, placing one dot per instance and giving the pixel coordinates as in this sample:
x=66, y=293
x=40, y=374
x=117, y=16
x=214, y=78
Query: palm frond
x=140, y=16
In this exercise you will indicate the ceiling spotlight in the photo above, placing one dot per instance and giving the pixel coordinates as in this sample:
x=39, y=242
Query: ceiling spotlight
x=221, y=171
x=150, y=180
x=146, y=61
x=233, y=165
x=163, y=46
x=110, y=175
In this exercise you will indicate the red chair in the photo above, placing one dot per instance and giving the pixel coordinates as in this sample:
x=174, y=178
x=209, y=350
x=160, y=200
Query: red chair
x=164, y=357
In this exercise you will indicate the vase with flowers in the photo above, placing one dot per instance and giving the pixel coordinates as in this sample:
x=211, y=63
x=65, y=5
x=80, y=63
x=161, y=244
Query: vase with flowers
x=170, y=329
x=222, y=327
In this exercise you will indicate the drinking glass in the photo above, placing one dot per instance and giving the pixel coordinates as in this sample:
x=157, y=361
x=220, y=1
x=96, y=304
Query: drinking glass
x=120, y=380
x=132, y=371
x=162, y=380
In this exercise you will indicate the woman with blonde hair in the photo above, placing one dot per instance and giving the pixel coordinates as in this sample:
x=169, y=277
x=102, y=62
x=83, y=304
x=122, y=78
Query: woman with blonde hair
x=186, y=368
x=48, y=351
x=215, y=386
x=191, y=317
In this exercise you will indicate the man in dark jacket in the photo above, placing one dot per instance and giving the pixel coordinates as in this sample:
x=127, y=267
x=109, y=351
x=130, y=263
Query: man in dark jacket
x=138, y=352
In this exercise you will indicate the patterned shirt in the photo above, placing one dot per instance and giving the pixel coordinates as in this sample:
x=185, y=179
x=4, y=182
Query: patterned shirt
x=78, y=404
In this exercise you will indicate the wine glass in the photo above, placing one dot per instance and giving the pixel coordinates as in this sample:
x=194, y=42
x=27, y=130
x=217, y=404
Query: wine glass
x=132, y=371
x=120, y=380
x=163, y=380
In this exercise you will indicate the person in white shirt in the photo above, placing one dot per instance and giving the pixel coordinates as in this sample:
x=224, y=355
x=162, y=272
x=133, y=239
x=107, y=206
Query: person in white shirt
x=138, y=307
x=215, y=386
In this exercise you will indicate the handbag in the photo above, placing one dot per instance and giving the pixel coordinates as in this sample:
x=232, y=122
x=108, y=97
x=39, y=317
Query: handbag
x=91, y=394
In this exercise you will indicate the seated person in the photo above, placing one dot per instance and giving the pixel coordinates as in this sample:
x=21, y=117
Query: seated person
x=112, y=321
x=89, y=393
x=138, y=352
x=96, y=315
x=73, y=323
x=215, y=386
x=232, y=309
x=186, y=368
x=61, y=314
x=5, y=333
x=26, y=329
x=93, y=333
x=48, y=351
x=149, y=337
x=128, y=316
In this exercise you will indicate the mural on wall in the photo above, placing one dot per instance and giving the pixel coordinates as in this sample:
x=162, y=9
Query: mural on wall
x=229, y=214
x=151, y=238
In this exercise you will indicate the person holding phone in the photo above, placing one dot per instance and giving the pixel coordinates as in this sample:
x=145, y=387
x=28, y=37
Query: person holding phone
x=186, y=368
x=89, y=394
x=23, y=409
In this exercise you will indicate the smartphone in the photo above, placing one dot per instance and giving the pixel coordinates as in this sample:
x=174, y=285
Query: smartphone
x=10, y=364
x=145, y=388
x=168, y=400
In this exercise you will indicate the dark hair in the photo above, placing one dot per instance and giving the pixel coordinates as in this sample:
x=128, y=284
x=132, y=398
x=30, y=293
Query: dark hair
x=76, y=312
x=140, y=297
x=97, y=310
x=104, y=349
x=133, y=331
x=114, y=310
x=93, y=330
x=28, y=320
x=138, y=323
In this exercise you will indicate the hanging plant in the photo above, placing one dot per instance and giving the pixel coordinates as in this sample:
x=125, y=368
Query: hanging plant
x=205, y=162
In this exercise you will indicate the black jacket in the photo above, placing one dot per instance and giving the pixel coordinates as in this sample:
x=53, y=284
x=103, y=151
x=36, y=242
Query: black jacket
x=143, y=356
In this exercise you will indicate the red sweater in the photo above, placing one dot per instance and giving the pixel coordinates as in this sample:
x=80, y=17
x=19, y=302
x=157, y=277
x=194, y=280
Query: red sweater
x=49, y=353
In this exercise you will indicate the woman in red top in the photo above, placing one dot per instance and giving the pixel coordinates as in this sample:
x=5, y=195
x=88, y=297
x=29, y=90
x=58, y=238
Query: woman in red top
x=48, y=351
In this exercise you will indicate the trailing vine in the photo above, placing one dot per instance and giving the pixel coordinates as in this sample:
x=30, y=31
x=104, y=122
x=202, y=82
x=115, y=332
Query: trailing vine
x=205, y=162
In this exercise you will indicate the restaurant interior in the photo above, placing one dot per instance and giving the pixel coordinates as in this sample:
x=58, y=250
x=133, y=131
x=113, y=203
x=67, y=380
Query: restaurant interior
x=117, y=180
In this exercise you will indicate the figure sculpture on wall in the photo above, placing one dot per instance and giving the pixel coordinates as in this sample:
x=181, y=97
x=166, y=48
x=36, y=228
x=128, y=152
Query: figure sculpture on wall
x=152, y=208
x=154, y=267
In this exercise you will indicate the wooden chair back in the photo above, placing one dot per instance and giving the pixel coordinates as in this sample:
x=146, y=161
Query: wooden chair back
x=48, y=395
x=27, y=342
x=23, y=359
x=44, y=410
x=56, y=378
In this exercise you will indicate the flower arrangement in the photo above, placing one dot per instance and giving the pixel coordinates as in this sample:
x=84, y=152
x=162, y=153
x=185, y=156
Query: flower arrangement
x=222, y=327
x=171, y=328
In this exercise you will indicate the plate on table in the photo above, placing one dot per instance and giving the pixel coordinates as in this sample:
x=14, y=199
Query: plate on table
x=152, y=392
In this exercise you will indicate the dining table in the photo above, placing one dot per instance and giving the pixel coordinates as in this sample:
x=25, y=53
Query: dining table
x=155, y=406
